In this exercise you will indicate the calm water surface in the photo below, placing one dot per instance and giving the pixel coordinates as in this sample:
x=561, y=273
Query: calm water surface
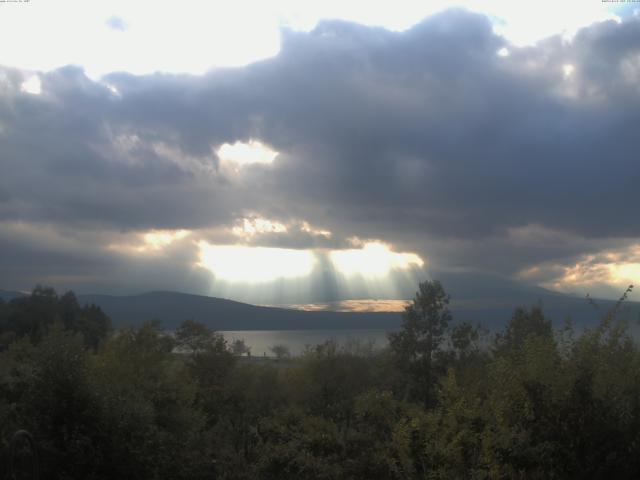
x=296, y=340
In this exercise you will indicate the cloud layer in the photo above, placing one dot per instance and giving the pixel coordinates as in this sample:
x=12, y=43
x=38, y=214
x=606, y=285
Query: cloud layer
x=426, y=139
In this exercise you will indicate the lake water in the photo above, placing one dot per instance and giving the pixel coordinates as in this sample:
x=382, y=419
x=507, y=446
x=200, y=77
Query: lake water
x=260, y=341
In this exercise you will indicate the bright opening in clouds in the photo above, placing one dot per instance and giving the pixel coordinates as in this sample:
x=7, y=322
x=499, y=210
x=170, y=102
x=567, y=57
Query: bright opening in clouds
x=264, y=274
x=373, y=260
x=152, y=241
x=567, y=69
x=604, y=273
x=32, y=85
x=160, y=239
x=241, y=154
x=252, y=226
x=233, y=263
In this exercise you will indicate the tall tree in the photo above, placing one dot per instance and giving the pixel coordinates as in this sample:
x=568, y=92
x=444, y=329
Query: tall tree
x=523, y=325
x=425, y=322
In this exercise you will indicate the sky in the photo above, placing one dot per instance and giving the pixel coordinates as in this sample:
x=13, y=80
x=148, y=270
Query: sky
x=293, y=152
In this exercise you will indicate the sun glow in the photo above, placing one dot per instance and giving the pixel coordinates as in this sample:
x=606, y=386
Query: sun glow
x=568, y=70
x=602, y=273
x=32, y=85
x=253, y=226
x=158, y=239
x=307, y=228
x=627, y=273
x=374, y=259
x=150, y=241
x=255, y=264
x=242, y=154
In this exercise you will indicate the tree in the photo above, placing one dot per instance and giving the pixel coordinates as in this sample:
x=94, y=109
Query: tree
x=522, y=325
x=148, y=416
x=330, y=379
x=193, y=336
x=425, y=322
x=280, y=351
x=32, y=316
x=94, y=325
x=239, y=348
x=208, y=359
x=612, y=313
x=89, y=320
x=59, y=404
x=300, y=446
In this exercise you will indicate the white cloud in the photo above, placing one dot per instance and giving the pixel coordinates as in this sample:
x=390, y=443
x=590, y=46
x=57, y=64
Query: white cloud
x=194, y=35
x=189, y=36
x=32, y=85
x=241, y=153
x=568, y=70
x=151, y=241
x=604, y=273
x=252, y=226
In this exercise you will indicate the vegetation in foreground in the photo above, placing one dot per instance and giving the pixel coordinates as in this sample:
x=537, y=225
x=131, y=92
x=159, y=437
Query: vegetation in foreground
x=530, y=403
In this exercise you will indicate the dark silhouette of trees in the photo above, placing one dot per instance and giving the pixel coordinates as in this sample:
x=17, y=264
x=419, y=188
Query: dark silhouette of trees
x=239, y=348
x=532, y=402
x=32, y=316
x=524, y=324
x=417, y=345
x=281, y=352
x=193, y=336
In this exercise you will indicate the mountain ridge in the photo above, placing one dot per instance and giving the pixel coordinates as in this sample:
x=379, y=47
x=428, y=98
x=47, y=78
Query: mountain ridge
x=171, y=308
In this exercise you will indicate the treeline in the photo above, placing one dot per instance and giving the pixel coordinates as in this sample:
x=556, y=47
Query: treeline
x=32, y=317
x=443, y=401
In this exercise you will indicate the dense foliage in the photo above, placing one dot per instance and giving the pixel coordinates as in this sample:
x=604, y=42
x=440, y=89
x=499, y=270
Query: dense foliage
x=445, y=400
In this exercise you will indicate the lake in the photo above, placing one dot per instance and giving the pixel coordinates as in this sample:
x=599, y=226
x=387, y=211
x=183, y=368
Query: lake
x=296, y=340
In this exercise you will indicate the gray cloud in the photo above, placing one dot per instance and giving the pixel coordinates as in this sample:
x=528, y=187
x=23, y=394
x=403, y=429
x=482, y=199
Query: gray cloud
x=426, y=139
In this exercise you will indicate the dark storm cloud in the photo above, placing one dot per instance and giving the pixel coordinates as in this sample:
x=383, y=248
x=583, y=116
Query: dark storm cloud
x=95, y=261
x=426, y=138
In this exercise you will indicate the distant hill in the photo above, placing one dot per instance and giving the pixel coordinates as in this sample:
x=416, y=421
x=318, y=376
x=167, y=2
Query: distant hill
x=493, y=312
x=491, y=300
x=220, y=314
x=475, y=300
